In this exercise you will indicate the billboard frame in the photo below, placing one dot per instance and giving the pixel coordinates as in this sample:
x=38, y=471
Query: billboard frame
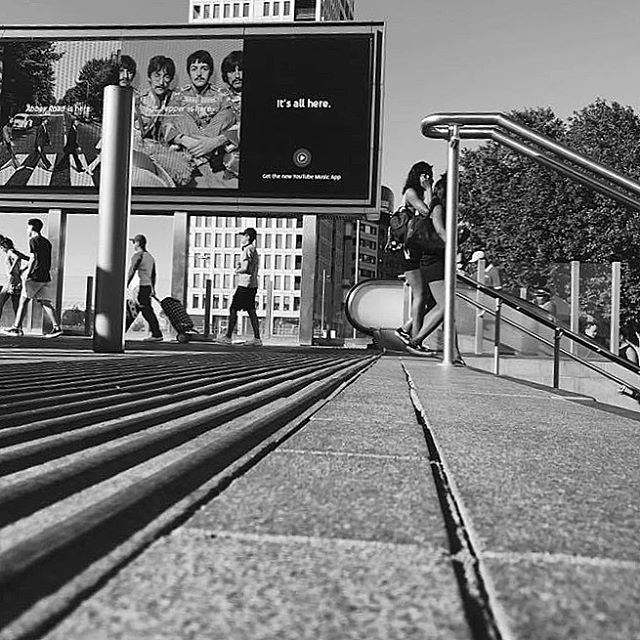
x=42, y=199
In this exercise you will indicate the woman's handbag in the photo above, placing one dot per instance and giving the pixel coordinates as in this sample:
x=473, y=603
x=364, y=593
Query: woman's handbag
x=422, y=236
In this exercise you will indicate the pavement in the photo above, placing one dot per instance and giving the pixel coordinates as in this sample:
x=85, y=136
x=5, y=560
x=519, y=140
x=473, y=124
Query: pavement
x=422, y=501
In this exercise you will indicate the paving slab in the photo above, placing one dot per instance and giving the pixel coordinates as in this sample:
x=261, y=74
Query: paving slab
x=540, y=476
x=337, y=534
x=194, y=585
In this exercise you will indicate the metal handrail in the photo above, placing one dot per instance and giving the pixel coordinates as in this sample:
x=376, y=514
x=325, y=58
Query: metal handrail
x=505, y=131
x=559, y=332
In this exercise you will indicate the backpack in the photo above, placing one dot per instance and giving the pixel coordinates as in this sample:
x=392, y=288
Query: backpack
x=398, y=225
x=422, y=236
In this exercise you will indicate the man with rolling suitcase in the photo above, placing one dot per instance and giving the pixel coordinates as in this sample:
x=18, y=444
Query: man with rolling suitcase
x=141, y=281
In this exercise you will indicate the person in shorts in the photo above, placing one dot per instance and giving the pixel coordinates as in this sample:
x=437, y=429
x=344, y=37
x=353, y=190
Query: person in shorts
x=37, y=278
x=244, y=298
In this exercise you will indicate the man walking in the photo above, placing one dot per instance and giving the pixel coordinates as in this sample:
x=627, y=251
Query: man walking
x=141, y=281
x=37, y=277
x=42, y=140
x=244, y=297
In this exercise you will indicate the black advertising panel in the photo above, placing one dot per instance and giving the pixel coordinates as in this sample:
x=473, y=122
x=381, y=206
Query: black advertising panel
x=277, y=119
x=314, y=99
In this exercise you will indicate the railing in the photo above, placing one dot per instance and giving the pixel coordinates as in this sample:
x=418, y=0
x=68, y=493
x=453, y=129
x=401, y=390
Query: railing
x=502, y=129
x=498, y=127
x=559, y=332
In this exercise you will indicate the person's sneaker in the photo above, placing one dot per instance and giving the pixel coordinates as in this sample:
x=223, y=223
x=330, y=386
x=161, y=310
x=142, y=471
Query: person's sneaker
x=54, y=334
x=420, y=350
x=405, y=336
x=153, y=339
x=224, y=340
x=13, y=331
x=254, y=342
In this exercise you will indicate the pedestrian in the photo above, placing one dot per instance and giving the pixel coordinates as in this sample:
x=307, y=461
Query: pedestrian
x=38, y=276
x=542, y=297
x=491, y=272
x=244, y=297
x=12, y=287
x=629, y=343
x=141, y=282
x=417, y=188
x=7, y=142
x=42, y=140
x=432, y=274
x=73, y=150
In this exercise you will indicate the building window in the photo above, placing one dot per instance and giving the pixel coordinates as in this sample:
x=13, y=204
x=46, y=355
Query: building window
x=198, y=240
x=196, y=280
x=225, y=302
x=227, y=10
x=277, y=282
x=215, y=302
x=206, y=261
x=227, y=261
x=196, y=11
x=207, y=240
x=267, y=261
x=278, y=262
x=298, y=241
x=286, y=8
x=218, y=240
x=217, y=261
x=196, y=261
x=287, y=283
x=276, y=303
x=296, y=304
x=288, y=241
x=267, y=242
x=207, y=221
x=216, y=281
x=227, y=281
x=286, y=303
x=276, y=8
x=195, y=302
x=287, y=262
x=298, y=264
x=267, y=223
x=236, y=10
x=265, y=9
x=279, y=223
x=245, y=10
x=258, y=222
x=207, y=11
x=297, y=281
x=278, y=241
x=216, y=11
x=290, y=222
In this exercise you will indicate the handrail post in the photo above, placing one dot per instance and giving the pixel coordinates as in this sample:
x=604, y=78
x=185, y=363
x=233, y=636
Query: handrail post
x=496, y=337
x=557, y=336
x=450, y=253
x=479, y=328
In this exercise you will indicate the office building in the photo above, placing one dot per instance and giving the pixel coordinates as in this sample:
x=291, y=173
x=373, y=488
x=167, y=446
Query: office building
x=238, y=11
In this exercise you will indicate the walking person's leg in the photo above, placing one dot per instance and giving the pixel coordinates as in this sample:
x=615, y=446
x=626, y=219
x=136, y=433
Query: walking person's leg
x=414, y=279
x=16, y=328
x=48, y=308
x=4, y=296
x=144, y=302
x=253, y=318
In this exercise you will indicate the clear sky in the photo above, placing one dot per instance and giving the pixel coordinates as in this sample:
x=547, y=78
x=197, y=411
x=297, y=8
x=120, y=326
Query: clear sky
x=458, y=55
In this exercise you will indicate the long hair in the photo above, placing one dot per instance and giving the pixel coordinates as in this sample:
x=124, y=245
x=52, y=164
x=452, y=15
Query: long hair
x=6, y=243
x=413, y=177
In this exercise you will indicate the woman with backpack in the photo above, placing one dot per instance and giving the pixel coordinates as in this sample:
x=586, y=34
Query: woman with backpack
x=417, y=188
x=432, y=276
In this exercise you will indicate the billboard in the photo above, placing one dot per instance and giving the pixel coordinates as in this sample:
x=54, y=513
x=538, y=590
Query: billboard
x=253, y=119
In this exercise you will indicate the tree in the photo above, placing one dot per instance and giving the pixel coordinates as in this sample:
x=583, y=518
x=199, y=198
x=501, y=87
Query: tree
x=28, y=75
x=530, y=218
x=94, y=76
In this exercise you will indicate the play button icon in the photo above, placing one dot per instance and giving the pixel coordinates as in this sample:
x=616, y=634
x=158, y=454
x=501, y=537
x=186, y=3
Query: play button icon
x=302, y=158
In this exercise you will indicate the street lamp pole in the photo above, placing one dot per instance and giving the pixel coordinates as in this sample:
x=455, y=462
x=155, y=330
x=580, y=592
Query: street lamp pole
x=324, y=275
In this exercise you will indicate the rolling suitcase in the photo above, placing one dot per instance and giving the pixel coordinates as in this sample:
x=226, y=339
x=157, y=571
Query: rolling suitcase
x=178, y=317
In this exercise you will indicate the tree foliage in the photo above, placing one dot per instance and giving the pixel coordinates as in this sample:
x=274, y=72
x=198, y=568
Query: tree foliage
x=94, y=76
x=531, y=219
x=28, y=75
